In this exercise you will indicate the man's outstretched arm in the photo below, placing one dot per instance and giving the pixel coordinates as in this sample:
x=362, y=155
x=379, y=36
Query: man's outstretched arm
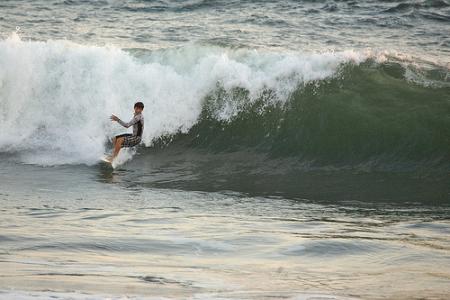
x=133, y=121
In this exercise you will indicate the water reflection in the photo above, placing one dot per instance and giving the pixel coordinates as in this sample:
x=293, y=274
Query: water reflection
x=255, y=176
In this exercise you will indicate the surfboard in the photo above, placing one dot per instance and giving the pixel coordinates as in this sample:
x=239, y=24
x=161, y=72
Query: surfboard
x=104, y=161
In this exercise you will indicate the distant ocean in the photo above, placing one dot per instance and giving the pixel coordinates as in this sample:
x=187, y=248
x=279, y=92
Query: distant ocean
x=292, y=149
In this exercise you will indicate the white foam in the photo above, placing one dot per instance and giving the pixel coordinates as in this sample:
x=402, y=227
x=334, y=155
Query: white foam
x=124, y=155
x=56, y=96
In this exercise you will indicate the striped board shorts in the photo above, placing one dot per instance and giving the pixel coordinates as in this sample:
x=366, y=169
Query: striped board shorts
x=129, y=139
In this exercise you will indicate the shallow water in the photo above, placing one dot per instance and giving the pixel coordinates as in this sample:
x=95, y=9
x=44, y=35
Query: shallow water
x=66, y=229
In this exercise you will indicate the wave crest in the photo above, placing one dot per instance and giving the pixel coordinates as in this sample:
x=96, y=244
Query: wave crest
x=56, y=97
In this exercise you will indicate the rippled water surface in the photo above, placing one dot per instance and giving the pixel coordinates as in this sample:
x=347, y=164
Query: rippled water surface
x=68, y=229
x=421, y=27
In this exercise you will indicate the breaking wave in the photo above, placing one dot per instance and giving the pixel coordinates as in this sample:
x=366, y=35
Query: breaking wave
x=332, y=107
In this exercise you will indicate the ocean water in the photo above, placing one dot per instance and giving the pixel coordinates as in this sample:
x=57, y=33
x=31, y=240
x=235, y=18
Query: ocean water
x=292, y=150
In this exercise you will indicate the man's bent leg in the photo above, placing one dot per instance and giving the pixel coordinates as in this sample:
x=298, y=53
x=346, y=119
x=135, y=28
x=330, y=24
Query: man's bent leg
x=117, y=145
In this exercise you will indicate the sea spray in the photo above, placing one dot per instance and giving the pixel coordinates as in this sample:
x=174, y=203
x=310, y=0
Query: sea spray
x=56, y=96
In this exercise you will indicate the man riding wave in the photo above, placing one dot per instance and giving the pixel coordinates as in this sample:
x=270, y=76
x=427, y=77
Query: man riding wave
x=128, y=139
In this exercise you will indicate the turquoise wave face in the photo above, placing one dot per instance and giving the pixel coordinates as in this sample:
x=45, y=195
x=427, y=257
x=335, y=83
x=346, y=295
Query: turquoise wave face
x=328, y=108
x=369, y=113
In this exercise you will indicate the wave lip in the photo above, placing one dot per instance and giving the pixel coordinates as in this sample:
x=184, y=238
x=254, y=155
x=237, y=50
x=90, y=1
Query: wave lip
x=340, y=108
x=383, y=116
x=57, y=95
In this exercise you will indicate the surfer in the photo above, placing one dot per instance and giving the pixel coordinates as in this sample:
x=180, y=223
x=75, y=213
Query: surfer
x=128, y=139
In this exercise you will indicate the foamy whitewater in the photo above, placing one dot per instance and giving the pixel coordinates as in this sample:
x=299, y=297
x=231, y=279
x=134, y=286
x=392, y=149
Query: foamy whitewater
x=57, y=95
x=291, y=150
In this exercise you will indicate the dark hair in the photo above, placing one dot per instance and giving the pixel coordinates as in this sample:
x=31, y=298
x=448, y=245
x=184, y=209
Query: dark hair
x=139, y=104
